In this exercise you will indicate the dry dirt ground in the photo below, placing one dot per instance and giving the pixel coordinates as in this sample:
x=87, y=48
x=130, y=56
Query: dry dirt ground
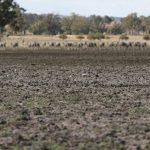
x=75, y=100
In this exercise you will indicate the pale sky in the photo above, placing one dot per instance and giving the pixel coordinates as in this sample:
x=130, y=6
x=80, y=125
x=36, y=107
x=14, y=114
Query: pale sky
x=117, y=8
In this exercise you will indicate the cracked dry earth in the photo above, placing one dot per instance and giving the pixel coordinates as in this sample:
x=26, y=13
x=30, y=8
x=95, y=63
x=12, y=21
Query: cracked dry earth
x=74, y=107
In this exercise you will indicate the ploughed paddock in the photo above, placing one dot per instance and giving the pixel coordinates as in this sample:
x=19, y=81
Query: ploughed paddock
x=60, y=99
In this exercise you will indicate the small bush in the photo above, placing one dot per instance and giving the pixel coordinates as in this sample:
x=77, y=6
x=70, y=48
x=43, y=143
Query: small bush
x=124, y=37
x=94, y=36
x=146, y=37
x=107, y=37
x=37, y=111
x=80, y=37
x=25, y=115
x=54, y=146
x=63, y=36
x=2, y=121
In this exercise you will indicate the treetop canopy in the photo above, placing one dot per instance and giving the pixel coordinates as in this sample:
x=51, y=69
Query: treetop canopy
x=8, y=11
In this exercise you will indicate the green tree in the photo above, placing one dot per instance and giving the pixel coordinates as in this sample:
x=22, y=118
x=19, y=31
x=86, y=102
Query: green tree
x=107, y=19
x=79, y=24
x=38, y=27
x=53, y=24
x=18, y=23
x=7, y=12
x=115, y=29
x=66, y=24
x=131, y=24
x=46, y=24
x=146, y=24
x=96, y=24
x=30, y=19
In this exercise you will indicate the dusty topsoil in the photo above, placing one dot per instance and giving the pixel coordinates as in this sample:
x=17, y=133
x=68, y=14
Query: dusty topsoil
x=75, y=100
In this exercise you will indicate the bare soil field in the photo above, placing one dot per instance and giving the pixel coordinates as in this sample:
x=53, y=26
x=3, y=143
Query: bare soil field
x=75, y=100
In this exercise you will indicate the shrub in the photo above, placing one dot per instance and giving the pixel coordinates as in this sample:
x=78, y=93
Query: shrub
x=63, y=36
x=124, y=37
x=80, y=37
x=107, y=37
x=146, y=37
x=37, y=111
x=94, y=36
x=25, y=115
x=116, y=29
x=51, y=146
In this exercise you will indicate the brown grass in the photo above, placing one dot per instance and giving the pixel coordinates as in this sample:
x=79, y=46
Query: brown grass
x=71, y=38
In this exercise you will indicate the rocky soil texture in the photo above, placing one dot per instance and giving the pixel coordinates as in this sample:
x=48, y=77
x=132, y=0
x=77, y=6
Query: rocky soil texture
x=74, y=100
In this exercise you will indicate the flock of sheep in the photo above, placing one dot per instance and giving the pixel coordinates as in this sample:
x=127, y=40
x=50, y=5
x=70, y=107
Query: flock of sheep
x=71, y=45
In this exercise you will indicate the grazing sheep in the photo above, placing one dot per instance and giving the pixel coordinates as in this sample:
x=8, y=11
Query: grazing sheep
x=43, y=44
x=69, y=44
x=112, y=44
x=137, y=45
x=34, y=45
x=80, y=45
x=15, y=45
x=58, y=45
x=31, y=45
x=143, y=45
x=123, y=44
x=102, y=44
x=2, y=45
x=92, y=45
x=130, y=44
x=38, y=45
x=52, y=44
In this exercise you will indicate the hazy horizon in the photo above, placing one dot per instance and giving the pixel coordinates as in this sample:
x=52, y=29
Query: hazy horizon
x=117, y=8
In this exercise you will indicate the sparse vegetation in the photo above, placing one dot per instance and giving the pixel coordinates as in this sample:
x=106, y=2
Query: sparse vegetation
x=95, y=36
x=63, y=36
x=25, y=115
x=107, y=37
x=146, y=37
x=80, y=37
x=124, y=37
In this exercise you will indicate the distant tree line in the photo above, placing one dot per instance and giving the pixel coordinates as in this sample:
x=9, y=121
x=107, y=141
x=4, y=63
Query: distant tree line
x=14, y=20
x=52, y=24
